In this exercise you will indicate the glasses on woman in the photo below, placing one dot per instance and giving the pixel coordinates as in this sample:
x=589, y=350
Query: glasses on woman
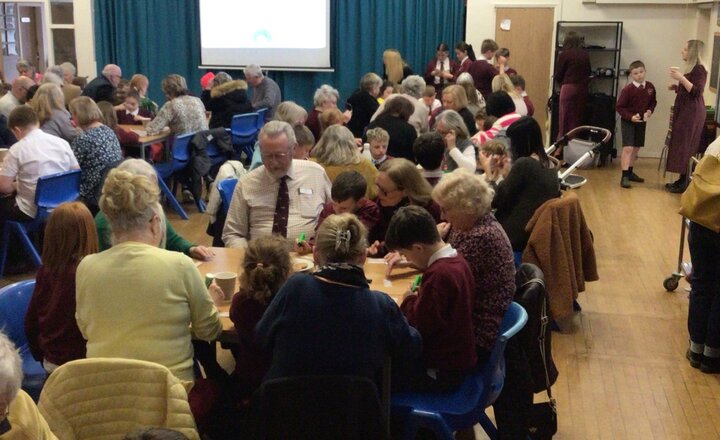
x=384, y=191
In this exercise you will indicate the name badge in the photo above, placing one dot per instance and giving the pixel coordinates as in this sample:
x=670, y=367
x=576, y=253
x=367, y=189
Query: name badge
x=306, y=191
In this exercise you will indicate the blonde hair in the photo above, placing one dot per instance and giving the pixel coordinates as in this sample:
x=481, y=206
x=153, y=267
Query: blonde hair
x=466, y=191
x=139, y=81
x=11, y=373
x=407, y=177
x=174, y=85
x=377, y=134
x=291, y=113
x=266, y=265
x=129, y=201
x=48, y=97
x=340, y=239
x=696, y=50
x=393, y=65
x=458, y=94
x=85, y=111
x=109, y=114
x=503, y=83
x=336, y=147
x=329, y=118
x=494, y=146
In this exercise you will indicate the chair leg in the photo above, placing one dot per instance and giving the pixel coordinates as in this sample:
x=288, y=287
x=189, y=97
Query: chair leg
x=4, y=248
x=435, y=423
x=488, y=427
x=27, y=244
x=171, y=198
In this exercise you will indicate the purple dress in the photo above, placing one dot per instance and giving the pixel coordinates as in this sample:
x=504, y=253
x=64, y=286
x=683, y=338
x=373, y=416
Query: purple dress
x=688, y=119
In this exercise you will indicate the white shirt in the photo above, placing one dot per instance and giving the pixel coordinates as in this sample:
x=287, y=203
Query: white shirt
x=7, y=103
x=37, y=154
x=714, y=148
x=637, y=84
x=252, y=209
x=446, y=251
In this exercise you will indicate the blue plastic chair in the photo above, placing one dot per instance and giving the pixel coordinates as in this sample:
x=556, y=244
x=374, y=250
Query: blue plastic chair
x=261, y=117
x=243, y=131
x=51, y=191
x=166, y=170
x=226, y=188
x=462, y=409
x=14, y=301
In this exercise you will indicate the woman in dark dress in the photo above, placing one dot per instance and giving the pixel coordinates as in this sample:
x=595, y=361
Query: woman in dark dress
x=395, y=69
x=394, y=119
x=364, y=103
x=573, y=74
x=688, y=117
x=440, y=71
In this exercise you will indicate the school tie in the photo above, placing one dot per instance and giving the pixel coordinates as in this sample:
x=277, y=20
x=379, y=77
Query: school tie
x=642, y=87
x=282, y=209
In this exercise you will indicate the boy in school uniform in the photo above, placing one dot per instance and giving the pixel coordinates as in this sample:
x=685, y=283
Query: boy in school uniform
x=348, y=195
x=519, y=84
x=429, y=151
x=635, y=105
x=440, y=309
x=378, y=139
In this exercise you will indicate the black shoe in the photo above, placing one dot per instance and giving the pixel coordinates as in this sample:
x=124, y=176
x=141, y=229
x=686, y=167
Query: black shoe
x=625, y=182
x=635, y=178
x=695, y=359
x=677, y=189
x=710, y=365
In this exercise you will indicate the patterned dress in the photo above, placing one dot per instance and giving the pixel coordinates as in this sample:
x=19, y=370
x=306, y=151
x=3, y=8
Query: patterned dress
x=95, y=149
x=184, y=114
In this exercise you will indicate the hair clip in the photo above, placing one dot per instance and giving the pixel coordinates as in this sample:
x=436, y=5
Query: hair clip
x=342, y=238
x=260, y=265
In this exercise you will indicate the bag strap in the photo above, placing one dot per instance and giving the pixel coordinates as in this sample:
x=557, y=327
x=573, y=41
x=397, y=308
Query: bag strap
x=544, y=320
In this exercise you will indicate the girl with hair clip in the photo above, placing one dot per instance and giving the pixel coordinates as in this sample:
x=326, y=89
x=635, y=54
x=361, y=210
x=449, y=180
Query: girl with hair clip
x=50, y=326
x=265, y=268
x=330, y=322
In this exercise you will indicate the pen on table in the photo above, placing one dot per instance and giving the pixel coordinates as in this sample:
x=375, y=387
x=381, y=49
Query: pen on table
x=416, y=283
x=301, y=238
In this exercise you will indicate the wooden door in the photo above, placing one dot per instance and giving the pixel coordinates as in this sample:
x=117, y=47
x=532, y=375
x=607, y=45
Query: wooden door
x=530, y=41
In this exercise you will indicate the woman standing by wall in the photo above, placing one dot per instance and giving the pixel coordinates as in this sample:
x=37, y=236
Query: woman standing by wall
x=573, y=73
x=688, y=116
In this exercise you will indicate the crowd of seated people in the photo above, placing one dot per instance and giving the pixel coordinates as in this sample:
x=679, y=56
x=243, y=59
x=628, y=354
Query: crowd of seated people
x=435, y=189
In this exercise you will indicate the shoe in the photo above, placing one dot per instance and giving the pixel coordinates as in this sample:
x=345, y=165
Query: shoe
x=695, y=359
x=625, y=182
x=635, y=178
x=710, y=365
x=187, y=196
x=677, y=189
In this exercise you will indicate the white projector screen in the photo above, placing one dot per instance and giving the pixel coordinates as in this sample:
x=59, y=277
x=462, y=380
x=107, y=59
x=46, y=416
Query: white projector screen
x=276, y=34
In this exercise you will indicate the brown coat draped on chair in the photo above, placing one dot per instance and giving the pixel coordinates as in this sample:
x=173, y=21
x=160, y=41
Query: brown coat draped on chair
x=562, y=246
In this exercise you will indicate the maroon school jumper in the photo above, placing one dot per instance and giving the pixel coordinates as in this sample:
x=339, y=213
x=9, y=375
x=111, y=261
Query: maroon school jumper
x=251, y=362
x=634, y=100
x=430, y=78
x=688, y=121
x=367, y=212
x=573, y=74
x=442, y=313
x=483, y=74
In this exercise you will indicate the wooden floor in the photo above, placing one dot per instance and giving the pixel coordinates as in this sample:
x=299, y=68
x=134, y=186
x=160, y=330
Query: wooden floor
x=623, y=373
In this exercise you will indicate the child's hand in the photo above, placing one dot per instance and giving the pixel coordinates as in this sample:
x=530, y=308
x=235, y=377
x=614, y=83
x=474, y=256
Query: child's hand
x=647, y=115
x=373, y=249
x=408, y=293
x=302, y=247
x=636, y=118
x=216, y=293
x=394, y=259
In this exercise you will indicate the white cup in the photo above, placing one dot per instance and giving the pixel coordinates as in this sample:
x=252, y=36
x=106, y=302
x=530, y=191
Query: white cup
x=226, y=282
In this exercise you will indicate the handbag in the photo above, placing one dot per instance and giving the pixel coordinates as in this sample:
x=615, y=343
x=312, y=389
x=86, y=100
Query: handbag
x=542, y=423
x=701, y=200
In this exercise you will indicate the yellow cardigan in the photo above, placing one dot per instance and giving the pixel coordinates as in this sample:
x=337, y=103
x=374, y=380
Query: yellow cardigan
x=26, y=421
x=365, y=167
x=104, y=399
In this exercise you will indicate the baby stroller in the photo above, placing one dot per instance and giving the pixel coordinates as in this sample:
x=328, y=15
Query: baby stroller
x=581, y=150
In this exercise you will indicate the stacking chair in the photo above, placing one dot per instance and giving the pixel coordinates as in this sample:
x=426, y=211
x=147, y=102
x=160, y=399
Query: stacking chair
x=462, y=409
x=244, y=130
x=226, y=188
x=166, y=170
x=318, y=407
x=14, y=301
x=261, y=117
x=51, y=191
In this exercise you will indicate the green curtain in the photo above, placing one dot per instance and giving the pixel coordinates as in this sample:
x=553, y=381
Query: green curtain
x=157, y=37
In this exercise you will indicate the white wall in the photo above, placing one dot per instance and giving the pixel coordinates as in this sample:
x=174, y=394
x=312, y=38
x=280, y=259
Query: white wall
x=654, y=33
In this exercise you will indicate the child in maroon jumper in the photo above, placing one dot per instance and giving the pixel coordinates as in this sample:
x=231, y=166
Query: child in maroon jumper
x=441, y=309
x=429, y=151
x=519, y=83
x=130, y=112
x=348, y=195
x=635, y=105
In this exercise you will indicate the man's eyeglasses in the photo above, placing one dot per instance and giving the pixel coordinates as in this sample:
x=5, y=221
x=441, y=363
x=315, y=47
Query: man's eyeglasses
x=274, y=156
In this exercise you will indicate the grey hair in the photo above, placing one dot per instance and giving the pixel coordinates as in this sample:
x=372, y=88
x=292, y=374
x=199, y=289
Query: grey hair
x=11, y=373
x=57, y=70
x=453, y=121
x=22, y=62
x=414, y=85
x=69, y=66
x=273, y=129
x=465, y=78
x=336, y=147
x=324, y=93
x=221, y=78
x=369, y=81
x=253, y=70
x=52, y=77
x=290, y=112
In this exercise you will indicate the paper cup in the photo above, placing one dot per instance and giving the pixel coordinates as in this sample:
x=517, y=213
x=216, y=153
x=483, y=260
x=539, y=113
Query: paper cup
x=209, y=279
x=226, y=281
